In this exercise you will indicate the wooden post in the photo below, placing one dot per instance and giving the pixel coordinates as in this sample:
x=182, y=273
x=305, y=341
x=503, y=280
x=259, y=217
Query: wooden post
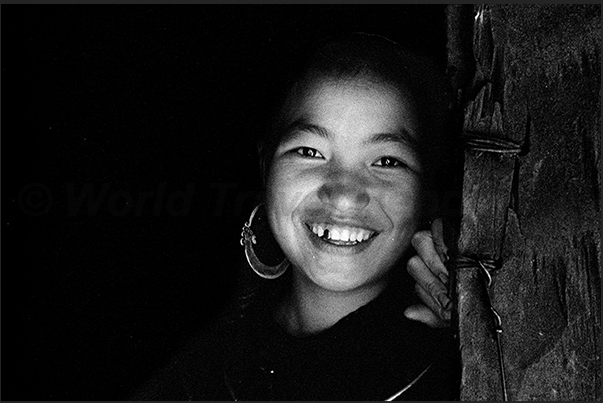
x=534, y=207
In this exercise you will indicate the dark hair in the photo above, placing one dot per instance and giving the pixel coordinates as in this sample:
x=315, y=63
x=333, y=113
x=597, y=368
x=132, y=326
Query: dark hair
x=377, y=58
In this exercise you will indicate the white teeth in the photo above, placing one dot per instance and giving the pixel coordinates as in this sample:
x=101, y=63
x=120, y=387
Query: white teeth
x=318, y=230
x=342, y=234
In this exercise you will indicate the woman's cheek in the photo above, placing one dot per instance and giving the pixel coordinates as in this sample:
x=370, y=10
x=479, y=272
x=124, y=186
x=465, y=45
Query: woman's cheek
x=283, y=195
x=295, y=182
x=405, y=205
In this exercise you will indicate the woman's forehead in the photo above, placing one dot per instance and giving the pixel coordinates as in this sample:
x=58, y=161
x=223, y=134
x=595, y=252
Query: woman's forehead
x=314, y=84
x=317, y=94
x=317, y=82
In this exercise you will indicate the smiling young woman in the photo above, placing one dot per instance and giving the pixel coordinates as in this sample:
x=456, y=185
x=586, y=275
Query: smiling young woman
x=344, y=171
x=349, y=169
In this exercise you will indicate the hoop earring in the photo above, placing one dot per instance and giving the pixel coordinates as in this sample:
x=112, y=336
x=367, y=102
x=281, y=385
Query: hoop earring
x=248, y=239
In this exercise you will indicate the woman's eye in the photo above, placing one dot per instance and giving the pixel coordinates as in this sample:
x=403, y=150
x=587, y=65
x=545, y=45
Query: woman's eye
x=309, y=152
x=389, y=162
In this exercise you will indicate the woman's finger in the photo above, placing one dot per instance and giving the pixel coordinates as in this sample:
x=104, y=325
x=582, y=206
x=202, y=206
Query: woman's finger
x=428, y=281
x=423, y=242
x=424, y=314
x=435, y=306
x=437, y=232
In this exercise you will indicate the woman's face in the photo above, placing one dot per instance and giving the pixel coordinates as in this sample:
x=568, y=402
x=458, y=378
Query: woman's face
x=344, y=189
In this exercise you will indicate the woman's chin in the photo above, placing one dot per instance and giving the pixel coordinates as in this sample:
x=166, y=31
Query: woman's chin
x=341, y=278
x=340, y=266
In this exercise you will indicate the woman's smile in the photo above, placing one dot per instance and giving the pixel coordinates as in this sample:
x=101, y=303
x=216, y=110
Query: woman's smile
x=344, y=189
x=339, y=239
x=340, y=235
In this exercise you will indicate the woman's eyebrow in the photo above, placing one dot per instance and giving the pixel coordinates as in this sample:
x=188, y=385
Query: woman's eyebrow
x=301, y=125
x=403, y=137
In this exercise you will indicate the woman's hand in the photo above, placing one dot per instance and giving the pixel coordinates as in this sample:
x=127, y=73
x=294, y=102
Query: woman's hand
x=431, y=275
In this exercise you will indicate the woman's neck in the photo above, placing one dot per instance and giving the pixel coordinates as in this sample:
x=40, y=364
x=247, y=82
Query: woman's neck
x=310, y=309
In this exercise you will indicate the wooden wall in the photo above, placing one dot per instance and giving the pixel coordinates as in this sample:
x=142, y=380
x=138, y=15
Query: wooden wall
x=529, y=76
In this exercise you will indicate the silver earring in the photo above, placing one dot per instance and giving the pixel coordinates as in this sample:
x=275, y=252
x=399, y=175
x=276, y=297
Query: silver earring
x=248, y=239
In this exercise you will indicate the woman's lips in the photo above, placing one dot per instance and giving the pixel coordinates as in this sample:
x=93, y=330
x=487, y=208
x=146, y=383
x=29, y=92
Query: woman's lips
x=340, y=234
x=337, y=233
x=329, y=244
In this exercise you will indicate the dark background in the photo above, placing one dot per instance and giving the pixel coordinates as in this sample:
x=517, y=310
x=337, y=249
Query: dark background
x=122, y=102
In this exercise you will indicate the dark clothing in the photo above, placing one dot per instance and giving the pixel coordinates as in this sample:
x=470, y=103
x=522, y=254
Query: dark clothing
x=371, y=354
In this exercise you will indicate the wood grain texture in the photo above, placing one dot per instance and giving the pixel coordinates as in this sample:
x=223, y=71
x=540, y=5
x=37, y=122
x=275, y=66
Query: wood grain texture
x=479, y=378
x=537, y=83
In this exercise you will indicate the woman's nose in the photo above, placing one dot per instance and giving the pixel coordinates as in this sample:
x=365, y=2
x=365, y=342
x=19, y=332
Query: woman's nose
x=345, y=192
